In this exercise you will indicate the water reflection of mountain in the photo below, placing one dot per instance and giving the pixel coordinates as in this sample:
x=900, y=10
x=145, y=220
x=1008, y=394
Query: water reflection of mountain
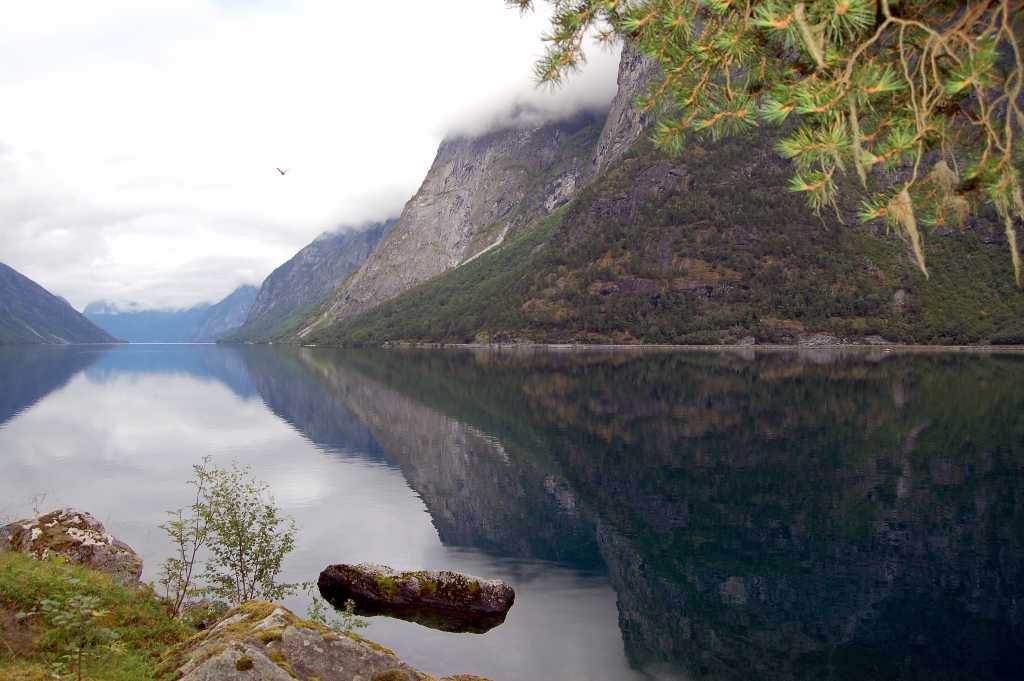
x=30, y=373
x=476, y=495
x=210, y=362
x=296, y=392
x=769, y=515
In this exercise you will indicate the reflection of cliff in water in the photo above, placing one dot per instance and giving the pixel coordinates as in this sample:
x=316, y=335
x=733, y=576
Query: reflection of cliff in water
x=30, y=373
x=476, y=494
x=772, y=515
x=298, y=394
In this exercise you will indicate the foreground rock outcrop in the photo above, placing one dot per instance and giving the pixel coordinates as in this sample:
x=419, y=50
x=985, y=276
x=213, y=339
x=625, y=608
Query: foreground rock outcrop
x=449, y=601
x=260, y=641
x=76, y=536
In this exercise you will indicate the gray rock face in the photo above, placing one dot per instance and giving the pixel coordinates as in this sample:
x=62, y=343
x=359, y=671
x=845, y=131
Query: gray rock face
x=625, y=121
x=464, y=207
x=479, y=190
x=225, y=317
x=314, y=272
x=260, y=641
x=426, y=588
x=77, y=536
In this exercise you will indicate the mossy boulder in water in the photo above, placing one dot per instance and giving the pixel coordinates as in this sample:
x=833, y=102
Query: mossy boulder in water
x=441, y=599
x=76, y=536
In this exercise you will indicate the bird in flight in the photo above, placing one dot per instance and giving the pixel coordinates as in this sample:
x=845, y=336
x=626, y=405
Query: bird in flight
x=283, y=171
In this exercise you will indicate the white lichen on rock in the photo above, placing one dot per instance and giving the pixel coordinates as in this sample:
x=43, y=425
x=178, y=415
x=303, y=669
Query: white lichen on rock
x=79, y=538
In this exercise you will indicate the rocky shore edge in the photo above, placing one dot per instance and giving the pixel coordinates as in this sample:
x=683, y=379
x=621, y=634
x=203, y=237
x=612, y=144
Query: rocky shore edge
x=256, y=641
x=261, y=641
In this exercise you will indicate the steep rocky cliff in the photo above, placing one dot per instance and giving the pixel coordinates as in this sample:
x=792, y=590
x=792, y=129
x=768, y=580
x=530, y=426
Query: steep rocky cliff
x=471, y=198
x=313, y=273
x=225, y=317
x=480, y=191
x=625, y=120
x=709, y=246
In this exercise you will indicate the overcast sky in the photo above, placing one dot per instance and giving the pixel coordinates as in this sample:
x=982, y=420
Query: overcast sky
x=139, y=141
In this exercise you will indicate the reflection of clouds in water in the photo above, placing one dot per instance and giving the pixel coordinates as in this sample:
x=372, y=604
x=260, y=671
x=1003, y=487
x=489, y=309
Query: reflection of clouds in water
x=297, y=488
x=123, y=449
x=577, y=610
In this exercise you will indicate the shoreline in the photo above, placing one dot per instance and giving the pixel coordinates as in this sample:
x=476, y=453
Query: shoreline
x=887, y=348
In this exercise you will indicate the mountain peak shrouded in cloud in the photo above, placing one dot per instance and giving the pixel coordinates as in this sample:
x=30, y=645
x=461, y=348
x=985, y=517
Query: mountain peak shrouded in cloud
x=198, y=324
x=140, y=141
x=109, y=307
x=529, y=107
x=161, y=179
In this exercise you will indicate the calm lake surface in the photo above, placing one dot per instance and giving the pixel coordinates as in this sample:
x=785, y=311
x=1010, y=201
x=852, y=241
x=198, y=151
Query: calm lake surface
x=756, y=514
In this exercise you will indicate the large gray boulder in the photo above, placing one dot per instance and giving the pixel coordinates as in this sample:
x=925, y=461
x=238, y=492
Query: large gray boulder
x=450, y=601
x=76, y=536
x=260, y=641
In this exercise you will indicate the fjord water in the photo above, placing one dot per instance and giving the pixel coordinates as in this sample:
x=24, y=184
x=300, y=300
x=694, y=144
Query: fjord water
x=664, y=514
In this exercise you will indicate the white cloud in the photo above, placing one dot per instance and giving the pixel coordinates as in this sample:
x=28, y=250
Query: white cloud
x=140, y=140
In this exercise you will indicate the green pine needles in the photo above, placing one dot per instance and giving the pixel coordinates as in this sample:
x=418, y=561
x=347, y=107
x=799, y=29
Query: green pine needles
x=930, y=90
x=238, y=532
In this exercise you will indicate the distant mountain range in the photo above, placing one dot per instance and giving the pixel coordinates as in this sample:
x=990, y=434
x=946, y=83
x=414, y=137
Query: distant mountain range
x=31, y=315
x=203, y=323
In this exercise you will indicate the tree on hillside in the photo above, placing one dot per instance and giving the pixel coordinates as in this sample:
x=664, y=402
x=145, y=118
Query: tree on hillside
x=929, y=89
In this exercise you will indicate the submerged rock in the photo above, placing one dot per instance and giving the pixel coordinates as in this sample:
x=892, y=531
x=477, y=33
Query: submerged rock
x=260, y=641
x=440, y=599
x=76, y=536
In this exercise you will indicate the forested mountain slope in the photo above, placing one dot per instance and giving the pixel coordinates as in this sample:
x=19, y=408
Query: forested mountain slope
x=708, y=246
x=29, y=314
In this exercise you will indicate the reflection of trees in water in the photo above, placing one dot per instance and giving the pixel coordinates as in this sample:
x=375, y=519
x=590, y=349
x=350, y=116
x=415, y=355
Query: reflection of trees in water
x=769, y=514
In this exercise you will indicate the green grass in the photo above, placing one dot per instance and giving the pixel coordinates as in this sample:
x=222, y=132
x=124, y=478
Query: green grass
x=31, y=648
